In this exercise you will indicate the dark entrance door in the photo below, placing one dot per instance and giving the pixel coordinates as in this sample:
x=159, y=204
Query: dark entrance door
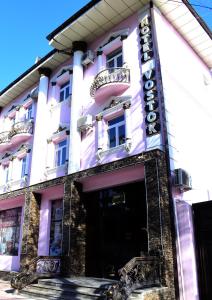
x=116, y=228
x=203, y=234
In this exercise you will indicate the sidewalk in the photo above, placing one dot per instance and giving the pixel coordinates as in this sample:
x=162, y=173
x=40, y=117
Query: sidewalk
x=8, y=293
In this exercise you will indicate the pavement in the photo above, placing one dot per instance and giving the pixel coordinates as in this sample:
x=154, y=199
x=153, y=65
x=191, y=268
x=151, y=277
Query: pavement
x=8, y=293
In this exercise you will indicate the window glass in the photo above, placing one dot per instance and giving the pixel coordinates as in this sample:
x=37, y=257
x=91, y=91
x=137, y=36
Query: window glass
x=114, y=60
x=121, y=134
x=116, y=131
x=10, y=221
x=64, y=91
x=112, y=137
x=29, y=113
x=61, y=150
x=55, y=246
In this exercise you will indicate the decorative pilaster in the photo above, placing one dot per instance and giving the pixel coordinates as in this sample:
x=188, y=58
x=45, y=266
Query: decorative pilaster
x=40, y=131
x=30, y=228
x=27, y=162
x=99, y=136
x=160, y=228
x=128, y=130
x=153, y=200
x=100, y=64
x=124, y=49
x=53, y=94
x=76, y=105
x=74, y=230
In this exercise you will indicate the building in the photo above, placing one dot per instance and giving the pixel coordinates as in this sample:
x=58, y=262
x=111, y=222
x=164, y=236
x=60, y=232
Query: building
x=100, y=140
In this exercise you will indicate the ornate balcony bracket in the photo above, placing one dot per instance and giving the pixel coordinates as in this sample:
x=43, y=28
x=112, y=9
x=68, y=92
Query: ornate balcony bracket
x=107, y=76
x=139, y=272
x=40, y=267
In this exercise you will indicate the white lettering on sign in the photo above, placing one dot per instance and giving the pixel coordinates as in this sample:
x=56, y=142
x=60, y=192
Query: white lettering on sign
x=149, y=80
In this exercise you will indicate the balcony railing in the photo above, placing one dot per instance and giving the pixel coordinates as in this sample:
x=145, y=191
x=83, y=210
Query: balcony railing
x=21, y=128
x=108, y=76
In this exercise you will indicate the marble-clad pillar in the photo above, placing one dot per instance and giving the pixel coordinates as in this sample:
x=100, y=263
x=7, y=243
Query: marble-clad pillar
x=30, y=229
x=74, y=230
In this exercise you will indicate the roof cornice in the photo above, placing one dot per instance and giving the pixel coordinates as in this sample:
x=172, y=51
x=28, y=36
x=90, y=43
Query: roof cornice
x=35, y=66
x=74, y=17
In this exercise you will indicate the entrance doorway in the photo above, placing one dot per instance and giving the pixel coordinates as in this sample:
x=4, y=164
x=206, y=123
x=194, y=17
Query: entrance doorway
x=203, y=234
x=116, y=228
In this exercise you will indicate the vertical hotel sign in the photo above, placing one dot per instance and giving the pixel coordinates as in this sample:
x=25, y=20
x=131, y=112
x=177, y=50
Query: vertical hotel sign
x=152, y=119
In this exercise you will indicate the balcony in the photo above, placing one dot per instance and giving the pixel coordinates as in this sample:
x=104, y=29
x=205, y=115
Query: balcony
x=4, y=140
x=110, y=82
x=21, y=132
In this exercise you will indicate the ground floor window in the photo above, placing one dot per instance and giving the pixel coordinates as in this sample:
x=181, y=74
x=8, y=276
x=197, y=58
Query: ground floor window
x=10, y=222
x=55, y=247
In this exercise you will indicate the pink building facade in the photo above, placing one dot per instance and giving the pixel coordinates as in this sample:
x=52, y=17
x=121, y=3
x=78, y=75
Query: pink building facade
x=104, y=148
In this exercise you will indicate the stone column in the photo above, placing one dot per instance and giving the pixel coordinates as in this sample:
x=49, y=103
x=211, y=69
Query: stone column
x=76, y=105
x=30, y=231
x=40, y=130
x=160, y=227
x=100, y=64
x=74, y=230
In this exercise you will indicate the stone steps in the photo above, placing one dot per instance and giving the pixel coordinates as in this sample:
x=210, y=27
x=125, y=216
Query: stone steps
x=82, y=288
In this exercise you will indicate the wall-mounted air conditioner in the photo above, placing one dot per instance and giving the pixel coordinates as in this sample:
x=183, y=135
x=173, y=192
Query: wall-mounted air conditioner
x=84, y=123
x=88, y=58
x=182, y=179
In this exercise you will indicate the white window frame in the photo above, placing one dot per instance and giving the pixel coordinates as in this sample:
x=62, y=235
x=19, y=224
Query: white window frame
x=116, y=126
x=24, y=163
x=59, y=148
x=102, y=127
x=114, y=57
x=6, y=173
x=63, y=89
x=29, y=112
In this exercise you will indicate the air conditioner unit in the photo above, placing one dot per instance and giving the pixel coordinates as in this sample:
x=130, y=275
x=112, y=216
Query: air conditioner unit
x=88, y=58
x=182, y=179
x=84, y=123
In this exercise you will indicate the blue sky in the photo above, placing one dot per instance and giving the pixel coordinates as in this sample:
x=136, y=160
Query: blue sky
x=24, y=25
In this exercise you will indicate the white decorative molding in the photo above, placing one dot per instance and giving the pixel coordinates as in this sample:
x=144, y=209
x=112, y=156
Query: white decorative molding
x=62, y=75
x=57, y=105
x=112, y=39
x=116, y=107
x=101, y=152
x=53, y=170
x=60, y=135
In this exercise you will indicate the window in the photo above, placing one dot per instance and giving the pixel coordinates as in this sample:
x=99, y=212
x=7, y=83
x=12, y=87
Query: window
x=55, y=246
x=116, y=131
x=6, y=172
x=64, y=91
x=29, y=113
x=61, y=149
x=114, y=60
x=23, y=168
x=10, y=221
